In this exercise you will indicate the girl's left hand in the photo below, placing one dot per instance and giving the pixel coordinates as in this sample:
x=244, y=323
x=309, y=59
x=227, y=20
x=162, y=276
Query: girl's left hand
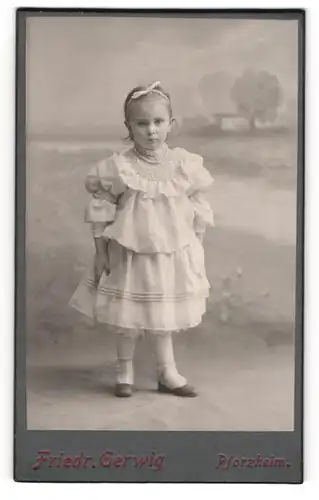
x=101, y=265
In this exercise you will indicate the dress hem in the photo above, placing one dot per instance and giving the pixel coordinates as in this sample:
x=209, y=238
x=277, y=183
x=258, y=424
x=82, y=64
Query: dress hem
x=125, y=329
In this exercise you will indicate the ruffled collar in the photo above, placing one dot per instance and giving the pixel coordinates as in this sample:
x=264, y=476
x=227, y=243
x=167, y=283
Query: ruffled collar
x=167, y=178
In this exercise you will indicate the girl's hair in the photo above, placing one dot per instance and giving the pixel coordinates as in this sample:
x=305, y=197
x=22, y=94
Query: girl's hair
x=156, y=89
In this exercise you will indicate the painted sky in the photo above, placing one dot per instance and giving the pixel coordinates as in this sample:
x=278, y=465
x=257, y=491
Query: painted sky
x=79, y=69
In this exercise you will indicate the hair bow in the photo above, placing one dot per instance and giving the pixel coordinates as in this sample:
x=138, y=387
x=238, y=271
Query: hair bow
x=150, y=88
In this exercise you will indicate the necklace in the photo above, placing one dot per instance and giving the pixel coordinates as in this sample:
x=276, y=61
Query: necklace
x=155, y=157
x=153, y=167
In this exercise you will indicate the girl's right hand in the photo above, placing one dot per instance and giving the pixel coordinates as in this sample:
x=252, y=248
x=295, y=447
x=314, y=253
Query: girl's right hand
x=101, y=265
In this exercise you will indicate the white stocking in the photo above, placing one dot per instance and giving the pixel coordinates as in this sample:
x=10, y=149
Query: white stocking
x=166, y=367
x=124, y=362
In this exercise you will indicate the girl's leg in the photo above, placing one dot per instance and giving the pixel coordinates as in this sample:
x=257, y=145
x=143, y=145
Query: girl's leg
x=124, y=364
x=166, y=367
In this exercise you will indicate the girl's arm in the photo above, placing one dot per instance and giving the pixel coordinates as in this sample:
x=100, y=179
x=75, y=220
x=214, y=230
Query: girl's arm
x=203, y=214
x=200, y=184
x=101, y=245
x=100, y=212
x=103, y=184
x=101, y=258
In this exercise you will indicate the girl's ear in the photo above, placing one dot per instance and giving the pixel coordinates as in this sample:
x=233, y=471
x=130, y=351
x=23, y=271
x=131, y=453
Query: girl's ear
x=128, y=128
x=129, y=137
x=173, y=126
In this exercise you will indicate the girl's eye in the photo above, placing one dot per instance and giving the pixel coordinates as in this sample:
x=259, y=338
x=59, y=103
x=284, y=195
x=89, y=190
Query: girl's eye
x=141, y=124
x=158, y=121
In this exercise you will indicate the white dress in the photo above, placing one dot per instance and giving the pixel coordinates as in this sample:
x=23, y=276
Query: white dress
x=151, y=215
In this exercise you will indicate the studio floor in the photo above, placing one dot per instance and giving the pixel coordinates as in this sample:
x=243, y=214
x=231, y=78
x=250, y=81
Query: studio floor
x=245, y=383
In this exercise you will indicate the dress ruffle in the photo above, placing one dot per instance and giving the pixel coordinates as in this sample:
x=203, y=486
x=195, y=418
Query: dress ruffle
x=150, y=216
x=99, y=210
x=117, y=172
x=175, y=186
x=152, y=292
x=154, y=317
x=152, y=226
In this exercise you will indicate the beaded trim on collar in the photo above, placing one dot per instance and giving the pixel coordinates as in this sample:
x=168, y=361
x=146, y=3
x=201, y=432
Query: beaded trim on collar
x=160, y=170
x=157, y=172
x=149, y=156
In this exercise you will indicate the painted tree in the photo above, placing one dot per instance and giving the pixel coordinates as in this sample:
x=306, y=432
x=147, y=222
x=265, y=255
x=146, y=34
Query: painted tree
x=258, y=96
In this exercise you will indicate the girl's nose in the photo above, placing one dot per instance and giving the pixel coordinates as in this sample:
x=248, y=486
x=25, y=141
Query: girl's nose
x=151, y=129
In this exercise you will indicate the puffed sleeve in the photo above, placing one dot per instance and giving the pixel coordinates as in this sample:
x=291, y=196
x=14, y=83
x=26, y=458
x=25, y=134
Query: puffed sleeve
x=201, y=184
x=105, y=187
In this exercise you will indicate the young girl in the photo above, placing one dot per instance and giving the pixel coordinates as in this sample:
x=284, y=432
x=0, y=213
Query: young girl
x=148, y=214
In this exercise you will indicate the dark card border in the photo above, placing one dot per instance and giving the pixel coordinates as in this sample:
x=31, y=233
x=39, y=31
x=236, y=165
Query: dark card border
x=189, y=456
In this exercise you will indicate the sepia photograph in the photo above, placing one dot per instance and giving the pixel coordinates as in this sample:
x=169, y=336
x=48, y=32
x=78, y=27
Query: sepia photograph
x=161, y=222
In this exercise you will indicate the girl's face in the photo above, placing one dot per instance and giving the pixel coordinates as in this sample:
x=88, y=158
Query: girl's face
x=149, y=121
